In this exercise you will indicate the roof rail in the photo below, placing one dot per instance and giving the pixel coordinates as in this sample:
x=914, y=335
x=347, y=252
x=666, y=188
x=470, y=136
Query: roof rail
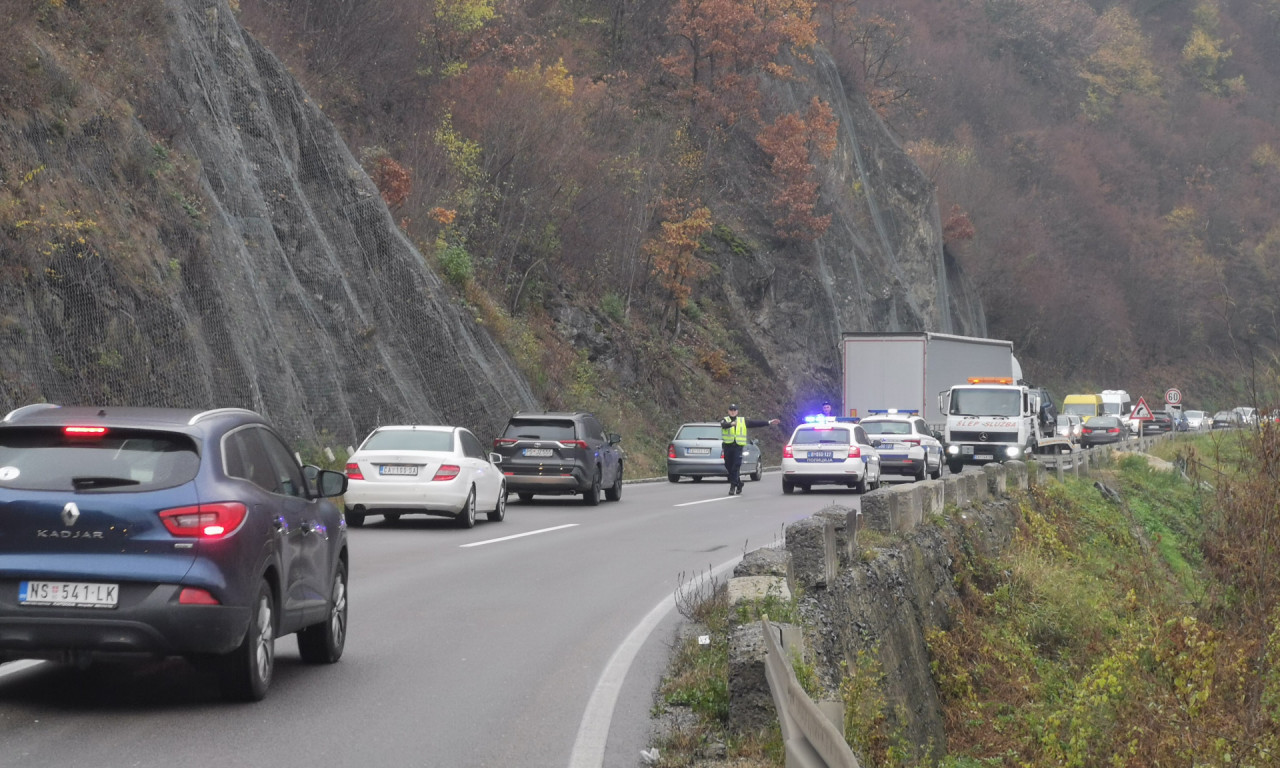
x=16, y=412
x=220, y=412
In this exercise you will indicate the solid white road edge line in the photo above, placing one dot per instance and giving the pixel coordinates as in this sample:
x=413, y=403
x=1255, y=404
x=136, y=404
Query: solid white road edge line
x=18, y=666
x=588, y=747
x=706, y=501
x=517, y=535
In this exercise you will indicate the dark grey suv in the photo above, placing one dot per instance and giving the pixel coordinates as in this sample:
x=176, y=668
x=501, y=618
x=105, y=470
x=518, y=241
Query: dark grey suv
x=144, y=532
x=560, y=453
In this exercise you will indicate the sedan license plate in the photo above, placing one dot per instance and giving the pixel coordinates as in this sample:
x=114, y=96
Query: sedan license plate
x=819, y=456
x=537, y=451
x=397, y=469
x=68, y=594
x=699, y=451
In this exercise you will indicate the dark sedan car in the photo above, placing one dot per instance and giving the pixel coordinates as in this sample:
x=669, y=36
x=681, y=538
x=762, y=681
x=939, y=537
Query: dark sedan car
x=560, y=453
x=1161, y=422
x=1101, y=430
x=151, y=532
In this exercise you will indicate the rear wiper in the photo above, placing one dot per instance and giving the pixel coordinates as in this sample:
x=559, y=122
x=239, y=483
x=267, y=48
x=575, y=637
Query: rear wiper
x=101, y=481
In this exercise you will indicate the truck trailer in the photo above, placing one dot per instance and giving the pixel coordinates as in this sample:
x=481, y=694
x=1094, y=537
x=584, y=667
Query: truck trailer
x=909, y=370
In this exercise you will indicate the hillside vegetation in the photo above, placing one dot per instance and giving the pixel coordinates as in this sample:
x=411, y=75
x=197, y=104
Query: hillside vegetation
x=1107, y=172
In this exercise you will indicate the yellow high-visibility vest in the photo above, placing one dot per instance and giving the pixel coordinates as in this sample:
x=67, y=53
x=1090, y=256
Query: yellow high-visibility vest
x=736, y=433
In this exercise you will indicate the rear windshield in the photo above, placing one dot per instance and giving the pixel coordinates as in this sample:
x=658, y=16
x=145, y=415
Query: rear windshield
x=540, y=429
x=408, y=440
x=122, y=460
x=886, y=427
x=837, y=435
x=698, y=432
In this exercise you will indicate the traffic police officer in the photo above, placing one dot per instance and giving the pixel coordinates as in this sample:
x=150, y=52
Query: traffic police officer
x=733, y=436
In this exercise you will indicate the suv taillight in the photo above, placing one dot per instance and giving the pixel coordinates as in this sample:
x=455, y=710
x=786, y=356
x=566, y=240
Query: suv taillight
x=446, y=472
x=353, y=472
x=205, y=521
x=574, y=444
x=786, y=452
x=671, y=451
x=498, y=442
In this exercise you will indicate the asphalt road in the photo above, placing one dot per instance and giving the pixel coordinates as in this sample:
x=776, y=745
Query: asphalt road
x=533, y=642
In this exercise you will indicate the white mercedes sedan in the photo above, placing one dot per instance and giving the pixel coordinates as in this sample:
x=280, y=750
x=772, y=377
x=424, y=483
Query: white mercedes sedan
x=427, y=470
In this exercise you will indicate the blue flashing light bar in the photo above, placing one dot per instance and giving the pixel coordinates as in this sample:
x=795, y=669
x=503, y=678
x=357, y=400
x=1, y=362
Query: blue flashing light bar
x=895, y=411
x=819, y=418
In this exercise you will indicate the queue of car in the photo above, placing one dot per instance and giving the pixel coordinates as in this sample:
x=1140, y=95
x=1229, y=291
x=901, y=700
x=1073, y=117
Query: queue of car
x=221, y=540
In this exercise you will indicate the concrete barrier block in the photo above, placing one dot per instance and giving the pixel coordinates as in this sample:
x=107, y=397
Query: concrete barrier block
x=877, y=513
x=1015, y=475
x=954, y=492
x=908, y=506
x=750, y=703
x=806, y=540
x=933, y=497
x=995, y=475
x=975, y=486
x=742, y=588
x=766, y=561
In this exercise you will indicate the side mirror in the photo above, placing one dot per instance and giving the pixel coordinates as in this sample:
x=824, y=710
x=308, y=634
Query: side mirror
x=495, y=458
x=330, y=483
x=614, y=438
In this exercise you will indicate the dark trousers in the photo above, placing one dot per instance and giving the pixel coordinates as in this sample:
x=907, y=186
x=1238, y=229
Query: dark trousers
x=733, y=461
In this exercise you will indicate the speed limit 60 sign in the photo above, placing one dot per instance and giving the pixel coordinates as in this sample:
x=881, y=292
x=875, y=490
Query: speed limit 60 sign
x=1173, y=396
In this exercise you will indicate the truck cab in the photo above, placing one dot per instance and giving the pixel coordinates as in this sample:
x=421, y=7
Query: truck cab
x=992, y=419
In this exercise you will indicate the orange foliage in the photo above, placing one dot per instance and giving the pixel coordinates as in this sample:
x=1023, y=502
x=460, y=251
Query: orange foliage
x=729, y=41
x=789, y=141
x=673, y=253
x=393, y=181
x=958, y=226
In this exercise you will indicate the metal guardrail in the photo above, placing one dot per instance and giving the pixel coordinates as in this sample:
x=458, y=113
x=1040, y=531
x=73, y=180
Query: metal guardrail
x=809, y=738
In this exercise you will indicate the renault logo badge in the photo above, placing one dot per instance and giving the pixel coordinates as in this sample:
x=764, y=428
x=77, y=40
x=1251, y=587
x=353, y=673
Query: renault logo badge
x=70, y=514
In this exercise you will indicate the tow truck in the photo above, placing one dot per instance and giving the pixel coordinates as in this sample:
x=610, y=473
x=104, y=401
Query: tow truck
x=992, y=418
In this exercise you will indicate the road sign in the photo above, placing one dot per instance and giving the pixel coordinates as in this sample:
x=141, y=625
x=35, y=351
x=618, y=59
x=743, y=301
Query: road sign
x=1141, y=411
x=1173, y=396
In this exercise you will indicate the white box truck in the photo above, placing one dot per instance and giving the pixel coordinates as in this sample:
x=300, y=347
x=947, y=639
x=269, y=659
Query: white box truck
x=909, y=370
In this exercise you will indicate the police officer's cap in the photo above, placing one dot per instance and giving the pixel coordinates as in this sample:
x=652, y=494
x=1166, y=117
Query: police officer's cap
x=733, y=406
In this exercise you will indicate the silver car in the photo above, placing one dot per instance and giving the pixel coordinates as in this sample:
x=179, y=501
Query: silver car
x=696, y=451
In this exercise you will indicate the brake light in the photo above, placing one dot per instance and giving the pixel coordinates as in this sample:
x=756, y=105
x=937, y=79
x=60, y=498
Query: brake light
x=671, y=451
x=1113, y=430
x=84, y=431
x=574, y=444
x=195, y=596
x=447, y=472
x=498, y=442
x=205, y=521
x=855, y=452
x=912, y=440
x=353, y=472
x=786, y=452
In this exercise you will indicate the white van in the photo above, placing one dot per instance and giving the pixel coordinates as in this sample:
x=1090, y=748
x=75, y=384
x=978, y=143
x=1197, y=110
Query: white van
x=1116, y=402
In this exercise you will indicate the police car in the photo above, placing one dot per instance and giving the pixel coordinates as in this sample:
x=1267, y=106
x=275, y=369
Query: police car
x=906, y=444
x=830, y=451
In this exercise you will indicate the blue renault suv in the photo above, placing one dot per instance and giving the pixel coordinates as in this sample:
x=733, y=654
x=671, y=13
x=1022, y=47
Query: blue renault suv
x=145, y=532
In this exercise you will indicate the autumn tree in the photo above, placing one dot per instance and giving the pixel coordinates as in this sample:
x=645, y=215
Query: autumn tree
x=673, y=254
x=791, y=142
x=1121, y=63
x=727, y=42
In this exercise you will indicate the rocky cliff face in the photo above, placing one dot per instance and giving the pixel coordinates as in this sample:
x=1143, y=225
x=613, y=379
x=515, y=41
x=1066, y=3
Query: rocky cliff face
x=279, y=283
x=879, y=267
x=239, y=255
